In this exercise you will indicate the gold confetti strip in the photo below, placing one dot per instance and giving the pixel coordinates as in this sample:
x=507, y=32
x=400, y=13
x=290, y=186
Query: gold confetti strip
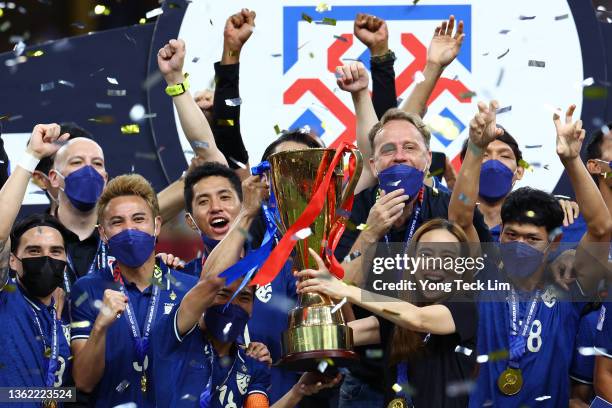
x=37, y=53
x=467, y=95
x=396, y=388
x=104, y=120
x=530, y=213
x=306, y=17
x=329, y=21
x=362, y=227
x=100, y=9
x=322, y=7
x=142, y=21
x=225, y=122
x=523, y=164
x=277, y=129
x=130, y=129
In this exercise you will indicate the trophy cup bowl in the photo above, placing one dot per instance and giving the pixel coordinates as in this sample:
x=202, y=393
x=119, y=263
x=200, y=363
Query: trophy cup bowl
x=316, y=332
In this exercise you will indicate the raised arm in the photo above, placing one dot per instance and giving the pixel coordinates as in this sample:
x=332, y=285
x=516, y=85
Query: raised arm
x=225, y=254
x=374, y=34
x=226, y=114
x=443, y=49
x=354, y=79
x=594, y=245
x=170, y=60
x=483, y=130
x=44, y=142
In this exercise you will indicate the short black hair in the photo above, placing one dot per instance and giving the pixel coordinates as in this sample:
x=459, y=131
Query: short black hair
x=297, y=136
x=593, y=146
x=528, y=205
x=46, y=163
x=506, y=138
x=209, y=169
x=33, y=221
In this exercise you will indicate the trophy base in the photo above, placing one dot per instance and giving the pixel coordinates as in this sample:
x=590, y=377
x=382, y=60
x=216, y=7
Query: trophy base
x=304, y=347
x=311, y=360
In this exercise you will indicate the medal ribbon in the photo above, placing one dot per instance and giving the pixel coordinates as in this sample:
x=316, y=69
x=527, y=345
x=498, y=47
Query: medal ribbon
x=402, y=381
x=53, y=360
x=517, y=340
x=141, y=342
x=206, y=395
x=279, y=255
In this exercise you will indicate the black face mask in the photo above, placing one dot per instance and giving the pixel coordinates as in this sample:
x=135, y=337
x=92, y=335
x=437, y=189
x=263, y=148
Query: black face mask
x=42, y=274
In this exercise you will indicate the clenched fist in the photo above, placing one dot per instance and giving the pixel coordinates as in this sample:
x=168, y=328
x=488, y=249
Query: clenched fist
x=238, y=29
x=373, y=32
x=170, y=60
x=113, y=306
x=46, y=140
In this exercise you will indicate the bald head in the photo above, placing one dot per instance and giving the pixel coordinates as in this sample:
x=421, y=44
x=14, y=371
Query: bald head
x=79, y=149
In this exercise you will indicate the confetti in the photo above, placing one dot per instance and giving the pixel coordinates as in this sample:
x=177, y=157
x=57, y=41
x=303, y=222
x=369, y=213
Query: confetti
x=227, y=328
x=189, y=397
x=238, y=163
x=338, y=305
x=78, y=24
x=482, y=358
x=561, y=17
x=66, y=83
x=362, y=227
x=467, y=95
x=311, y=54
x=16, y=117
x=591, y=351
x=499, y=77
x=200, y=144
x=374, y=353
x=5, y=26
x=329, y=21
x=195, y=59
x=543, y=398
x=233, y=102
x=524, y=164
x=104, y=105
x=142, y=21
x=148, y=156
x=322, y=366
x=154, y=13
x=9, y=288
x=137, y=113
x=100, y=9
x=47, y=86
x=418, y=77
x=530, y=214
x=595, y=92
x=535, y=63
x=277, y=129
x=275, y=55
x=81, y=299
x=80, y=325
x=503, y=54
x=19, y=48
x=122, y=386
x=391, y=312
x=322, y=7
x=112, y=81
x=458, y=388
x=396, y=388
x=225, y=122
x=130, y=129
x=463, y=350
x=527, y=17
x=306, y=17
x=588, y=81
x=152, y=80
x=350, y=257
x=116, y=92
x=103, y=119
x=532, y=146
x=341, y=38
x=302, y=234
x=37, y=53
x=504, y=110
x=504, y=31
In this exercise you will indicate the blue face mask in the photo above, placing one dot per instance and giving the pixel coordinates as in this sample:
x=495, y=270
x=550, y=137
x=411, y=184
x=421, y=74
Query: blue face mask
x=131, y=247
x=401, y=176
x=495, y=181
x=521, y=260
x=83, y=187
x=225, y=322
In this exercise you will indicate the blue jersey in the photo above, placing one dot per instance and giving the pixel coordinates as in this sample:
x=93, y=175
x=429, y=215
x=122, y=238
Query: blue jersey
x=186, y=364
x=123, y=370
x=271, y=307
x=22, y=361
x=603, y=336
x=583, y=365
x=548, y=353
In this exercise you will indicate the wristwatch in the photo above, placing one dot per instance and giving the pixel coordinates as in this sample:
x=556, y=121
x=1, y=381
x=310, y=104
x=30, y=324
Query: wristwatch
x=178, y=89
x=387, y=56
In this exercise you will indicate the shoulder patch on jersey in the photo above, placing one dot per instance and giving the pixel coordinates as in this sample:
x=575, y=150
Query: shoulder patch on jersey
x=550, y=297
x=243, y=380
x=264, y=293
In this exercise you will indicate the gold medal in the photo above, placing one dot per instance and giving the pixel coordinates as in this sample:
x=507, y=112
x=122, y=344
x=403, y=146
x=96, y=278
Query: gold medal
x=143, y=383
x=510, y=381
x=49, y=404
x=398, y=403
x=172, y=295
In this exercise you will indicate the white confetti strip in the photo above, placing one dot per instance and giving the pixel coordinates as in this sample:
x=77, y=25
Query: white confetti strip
x=339, y=305
x=112, y=80
x=303, y=233
x=154, y=13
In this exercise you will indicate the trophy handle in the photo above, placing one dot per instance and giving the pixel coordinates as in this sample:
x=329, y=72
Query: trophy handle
x=354, y=178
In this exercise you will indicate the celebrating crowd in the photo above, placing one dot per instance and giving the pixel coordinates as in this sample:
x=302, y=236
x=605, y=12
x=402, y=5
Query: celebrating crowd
x=87, y=302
